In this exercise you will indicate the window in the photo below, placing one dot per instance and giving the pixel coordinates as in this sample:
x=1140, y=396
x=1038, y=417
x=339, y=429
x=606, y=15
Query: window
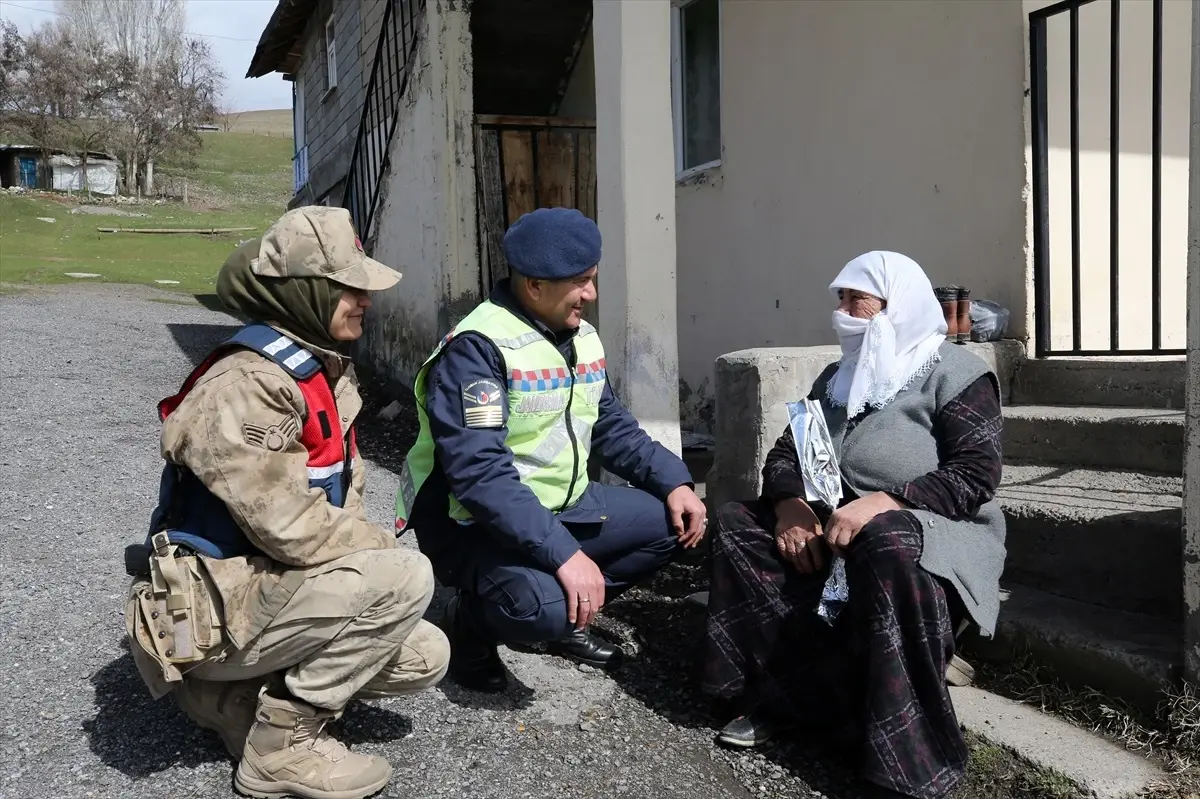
x=696, y=82
x=330, y=56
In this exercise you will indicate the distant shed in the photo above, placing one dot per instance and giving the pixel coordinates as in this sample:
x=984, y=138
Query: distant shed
x=24, y=165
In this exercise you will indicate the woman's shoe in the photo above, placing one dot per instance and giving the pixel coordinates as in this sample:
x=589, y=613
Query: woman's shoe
x=746, y=732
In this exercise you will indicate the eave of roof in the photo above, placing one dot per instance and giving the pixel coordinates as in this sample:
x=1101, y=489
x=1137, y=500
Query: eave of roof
x=277, y=49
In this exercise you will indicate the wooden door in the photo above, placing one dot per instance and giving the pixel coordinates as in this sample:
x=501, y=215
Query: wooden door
x=523, y=163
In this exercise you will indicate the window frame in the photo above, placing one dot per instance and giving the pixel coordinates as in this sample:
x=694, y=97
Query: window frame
x=677, y=9
x=299, y=114
x=330, y=48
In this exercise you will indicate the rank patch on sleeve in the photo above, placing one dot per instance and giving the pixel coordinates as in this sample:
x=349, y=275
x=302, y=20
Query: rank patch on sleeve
x=484, y=403
x=274, y=437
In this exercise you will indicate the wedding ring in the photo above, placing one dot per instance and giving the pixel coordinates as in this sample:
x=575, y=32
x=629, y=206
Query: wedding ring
x=585, y=600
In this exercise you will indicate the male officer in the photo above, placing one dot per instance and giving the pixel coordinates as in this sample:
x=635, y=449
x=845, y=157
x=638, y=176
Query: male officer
x=511, y=404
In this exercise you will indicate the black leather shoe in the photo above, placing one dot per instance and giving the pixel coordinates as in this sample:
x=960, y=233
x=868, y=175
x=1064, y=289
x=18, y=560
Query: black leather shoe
x=747, y=732
x=583, y=647
x=474, y=662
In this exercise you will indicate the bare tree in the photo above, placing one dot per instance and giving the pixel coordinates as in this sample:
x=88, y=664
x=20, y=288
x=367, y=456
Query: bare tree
x=143, y=31
x=109, y=78
x=229, y=114
x=40, y=89
x=166, y=103
x=148, y=35
x=90, y=114
x=12, y=54
x=62, y=93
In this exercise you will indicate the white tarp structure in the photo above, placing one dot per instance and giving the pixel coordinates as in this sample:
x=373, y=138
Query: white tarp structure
x=67, y=171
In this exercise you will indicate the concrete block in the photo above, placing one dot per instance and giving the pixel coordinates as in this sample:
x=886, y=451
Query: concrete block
x=1065, y=524
x=1135, y=439
x=1130, y=655
x=1094, y=763
x=1006, y=358
x=752, y=388
x=1109, y=382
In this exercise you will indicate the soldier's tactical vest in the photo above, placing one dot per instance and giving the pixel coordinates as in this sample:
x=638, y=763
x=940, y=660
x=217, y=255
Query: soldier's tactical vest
x=552, y=407
x=194, y=516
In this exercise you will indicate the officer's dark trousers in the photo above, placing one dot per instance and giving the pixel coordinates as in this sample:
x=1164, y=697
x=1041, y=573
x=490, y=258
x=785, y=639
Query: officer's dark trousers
x=519, y=602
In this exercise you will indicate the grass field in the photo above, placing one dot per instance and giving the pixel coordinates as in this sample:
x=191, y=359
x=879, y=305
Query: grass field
x=241, y=180
x=277, y=122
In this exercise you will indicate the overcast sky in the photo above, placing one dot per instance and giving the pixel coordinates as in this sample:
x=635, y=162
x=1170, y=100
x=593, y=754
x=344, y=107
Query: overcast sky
x=232, y=27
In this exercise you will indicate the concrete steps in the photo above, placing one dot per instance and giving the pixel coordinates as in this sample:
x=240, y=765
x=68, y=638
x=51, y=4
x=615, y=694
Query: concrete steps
x=1117, y=382
x=1111, y=538
x=1092, y=495
x=1136, y=439
x=1132, y=655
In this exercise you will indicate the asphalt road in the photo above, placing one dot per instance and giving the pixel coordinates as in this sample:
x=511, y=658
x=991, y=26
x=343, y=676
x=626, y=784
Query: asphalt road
x=81, y=368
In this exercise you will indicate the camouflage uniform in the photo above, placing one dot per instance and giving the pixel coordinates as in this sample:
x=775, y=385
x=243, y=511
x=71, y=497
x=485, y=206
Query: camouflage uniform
x=331, y=603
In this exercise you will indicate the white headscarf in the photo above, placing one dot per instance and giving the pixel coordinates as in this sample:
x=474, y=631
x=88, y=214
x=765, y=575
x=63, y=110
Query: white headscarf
x=883, y=355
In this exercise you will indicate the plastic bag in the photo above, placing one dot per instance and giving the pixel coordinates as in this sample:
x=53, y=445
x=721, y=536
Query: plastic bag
x=989, y=320
x=836, y=591
x=822, y=483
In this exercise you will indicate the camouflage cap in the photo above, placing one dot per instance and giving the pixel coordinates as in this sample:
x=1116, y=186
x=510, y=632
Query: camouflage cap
x=319, y=241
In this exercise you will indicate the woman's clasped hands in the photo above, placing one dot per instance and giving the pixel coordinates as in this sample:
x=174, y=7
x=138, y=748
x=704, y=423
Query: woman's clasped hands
x=806, y=544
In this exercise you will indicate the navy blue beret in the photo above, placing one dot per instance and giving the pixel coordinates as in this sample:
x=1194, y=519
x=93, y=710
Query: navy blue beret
x=552, y=244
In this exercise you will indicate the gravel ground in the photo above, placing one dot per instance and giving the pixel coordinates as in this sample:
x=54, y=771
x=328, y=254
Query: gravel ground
x=78, y=479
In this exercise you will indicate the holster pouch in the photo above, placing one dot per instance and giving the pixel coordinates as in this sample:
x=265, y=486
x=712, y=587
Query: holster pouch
x=137, y=561
x=178, y=614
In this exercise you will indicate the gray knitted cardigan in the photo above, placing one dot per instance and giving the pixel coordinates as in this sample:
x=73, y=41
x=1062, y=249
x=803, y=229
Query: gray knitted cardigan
x=893, y=445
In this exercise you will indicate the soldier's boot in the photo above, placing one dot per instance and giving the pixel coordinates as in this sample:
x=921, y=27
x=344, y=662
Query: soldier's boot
x=226, y=708
x=288, y=753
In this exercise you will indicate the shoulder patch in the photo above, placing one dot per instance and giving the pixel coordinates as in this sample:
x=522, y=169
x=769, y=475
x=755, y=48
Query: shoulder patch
x=484, y=403
x=275, y=437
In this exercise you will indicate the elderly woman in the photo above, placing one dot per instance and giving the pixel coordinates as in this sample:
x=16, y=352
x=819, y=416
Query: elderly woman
x=916, y=424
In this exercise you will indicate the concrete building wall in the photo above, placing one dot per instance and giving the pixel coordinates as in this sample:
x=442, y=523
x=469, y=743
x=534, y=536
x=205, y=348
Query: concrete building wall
x=848, y=127
x=579, y=100
x=1134, y=171
x=372, y=19
x=1191, y=465
x=425, y=225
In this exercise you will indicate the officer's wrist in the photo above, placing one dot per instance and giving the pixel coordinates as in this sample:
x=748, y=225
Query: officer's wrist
x=557, y=549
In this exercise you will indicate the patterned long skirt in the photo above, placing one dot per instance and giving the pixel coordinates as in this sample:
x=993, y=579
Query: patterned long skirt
x=874, y=680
